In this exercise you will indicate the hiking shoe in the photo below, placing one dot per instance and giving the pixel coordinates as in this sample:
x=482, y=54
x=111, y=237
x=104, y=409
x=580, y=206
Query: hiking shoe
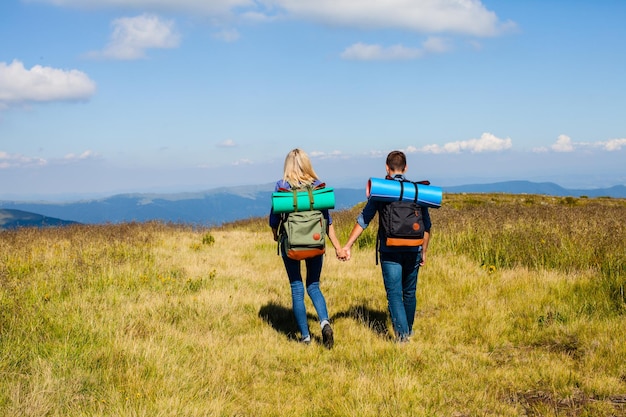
x=327, y=336
x=306, y=340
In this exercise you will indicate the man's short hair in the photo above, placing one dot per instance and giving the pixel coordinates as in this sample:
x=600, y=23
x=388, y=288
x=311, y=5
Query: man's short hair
x=396, y=161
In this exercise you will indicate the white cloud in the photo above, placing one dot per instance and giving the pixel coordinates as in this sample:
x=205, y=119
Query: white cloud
x=243, y=161
x=227, y=35
x=79, y=157
x=431, y=16
x=228, y=143
x=613, y=144
x=41, y=84
x=487, y=143
x=435, y=44
x=469, y=17
x=258, y=17
x=477, y=46
x=325, y=155
x=563, y=144
x=8, y=160
x=132, y=36
x=374, y=52
x=205, y=7
x=364, y=52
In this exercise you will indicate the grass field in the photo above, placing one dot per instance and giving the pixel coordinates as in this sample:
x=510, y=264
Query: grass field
x=521, y=312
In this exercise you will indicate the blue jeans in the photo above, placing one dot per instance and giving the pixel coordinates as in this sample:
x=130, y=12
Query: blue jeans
x=313, y=272
x=400, y=277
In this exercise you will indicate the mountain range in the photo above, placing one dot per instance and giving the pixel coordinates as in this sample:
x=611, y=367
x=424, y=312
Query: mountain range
x=13, y=219
x=221, y=205
x=545, y=188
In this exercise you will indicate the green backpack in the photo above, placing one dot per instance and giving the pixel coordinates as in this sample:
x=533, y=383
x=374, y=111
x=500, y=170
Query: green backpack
x=303, y=233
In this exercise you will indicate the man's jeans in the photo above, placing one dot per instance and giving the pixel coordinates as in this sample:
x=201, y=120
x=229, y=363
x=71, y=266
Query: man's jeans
x=400, y=277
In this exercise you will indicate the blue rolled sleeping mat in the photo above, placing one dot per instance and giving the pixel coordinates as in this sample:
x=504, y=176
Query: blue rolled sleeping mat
x=289, y=201
x=381, y=189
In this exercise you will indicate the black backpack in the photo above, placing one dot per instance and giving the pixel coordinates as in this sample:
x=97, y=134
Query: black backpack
x=401, y=222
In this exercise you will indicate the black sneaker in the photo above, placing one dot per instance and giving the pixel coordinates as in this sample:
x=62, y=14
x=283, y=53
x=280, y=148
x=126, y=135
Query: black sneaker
x=327, y=336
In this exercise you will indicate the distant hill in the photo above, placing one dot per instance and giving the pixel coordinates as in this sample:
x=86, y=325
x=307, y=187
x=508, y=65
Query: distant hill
x=546, y=188
x=209, y=208
x=217, y=206
x=12, y=219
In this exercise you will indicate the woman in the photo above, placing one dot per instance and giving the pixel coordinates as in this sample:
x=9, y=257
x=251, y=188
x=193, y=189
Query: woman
x=298, y=172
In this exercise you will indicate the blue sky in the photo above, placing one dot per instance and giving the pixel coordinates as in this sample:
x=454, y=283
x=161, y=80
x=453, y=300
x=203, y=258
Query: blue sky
x=99, y=97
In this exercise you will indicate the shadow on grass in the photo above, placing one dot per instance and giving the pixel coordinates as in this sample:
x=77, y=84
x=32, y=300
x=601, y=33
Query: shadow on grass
x=281, y=319
x=376, y=320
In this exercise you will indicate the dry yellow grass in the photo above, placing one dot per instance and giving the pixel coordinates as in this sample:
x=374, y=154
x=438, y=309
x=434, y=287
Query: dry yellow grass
x=164, y=320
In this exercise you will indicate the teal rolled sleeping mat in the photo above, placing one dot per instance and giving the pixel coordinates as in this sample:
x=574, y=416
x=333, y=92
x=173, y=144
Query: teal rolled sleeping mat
x=289, y=201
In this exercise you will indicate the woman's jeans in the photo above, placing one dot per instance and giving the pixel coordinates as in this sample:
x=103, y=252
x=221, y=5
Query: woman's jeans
x=313, y=272
x=400, y=277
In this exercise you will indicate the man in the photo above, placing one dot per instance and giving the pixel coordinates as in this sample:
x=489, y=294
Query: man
x=399, y=264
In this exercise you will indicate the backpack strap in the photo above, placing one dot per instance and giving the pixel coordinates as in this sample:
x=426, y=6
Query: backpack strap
x=295, y=199
x=414, y=185
x=281, y=226
x=310, y=191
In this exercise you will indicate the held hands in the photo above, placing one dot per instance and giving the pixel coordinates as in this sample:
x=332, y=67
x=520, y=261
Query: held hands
x=341, y=254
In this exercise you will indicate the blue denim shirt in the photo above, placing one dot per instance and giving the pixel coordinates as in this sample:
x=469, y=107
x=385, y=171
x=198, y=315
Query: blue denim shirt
x=369, y=211
x=274, y=218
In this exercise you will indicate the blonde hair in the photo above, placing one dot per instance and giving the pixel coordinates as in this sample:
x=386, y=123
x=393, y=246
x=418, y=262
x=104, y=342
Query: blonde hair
x=298, y=169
